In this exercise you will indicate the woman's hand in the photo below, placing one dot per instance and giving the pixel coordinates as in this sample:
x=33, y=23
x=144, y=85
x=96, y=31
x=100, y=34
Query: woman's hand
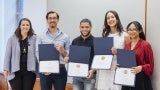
x=66, y=59
x=117, y=65
x=5, y=73
x=114, y=50
x=136, y=70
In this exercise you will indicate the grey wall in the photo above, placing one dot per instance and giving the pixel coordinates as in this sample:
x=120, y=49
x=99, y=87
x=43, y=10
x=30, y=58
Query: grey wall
x=35, y=10
x=1, y=29
x=153, y=32
x=8, y=24
x=72, y=11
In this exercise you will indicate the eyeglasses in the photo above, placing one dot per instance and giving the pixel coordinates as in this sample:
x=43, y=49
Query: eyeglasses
x=132, y=30
x=52, y=18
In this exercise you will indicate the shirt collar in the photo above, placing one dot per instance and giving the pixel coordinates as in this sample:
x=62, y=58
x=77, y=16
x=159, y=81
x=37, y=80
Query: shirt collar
x=88, y=38
x=56, y=34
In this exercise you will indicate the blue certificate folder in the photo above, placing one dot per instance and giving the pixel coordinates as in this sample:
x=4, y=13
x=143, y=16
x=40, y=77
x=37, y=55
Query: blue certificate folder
x=126, y=58
x=123, y=75
x=47, y=52
x=102, y=46
x=79, y=54
x=102, y=53
x=48, y=58
x=78, y=65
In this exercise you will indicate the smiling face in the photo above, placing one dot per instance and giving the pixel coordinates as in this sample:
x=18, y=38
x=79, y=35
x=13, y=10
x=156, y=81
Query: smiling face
x=52, y=20
x=24, y=26
x=85, y=29
x=111, y=20
x=133, y=31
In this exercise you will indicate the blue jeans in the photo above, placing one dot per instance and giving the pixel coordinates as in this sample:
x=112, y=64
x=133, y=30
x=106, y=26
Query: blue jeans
x=58, y=80
x=84, y=83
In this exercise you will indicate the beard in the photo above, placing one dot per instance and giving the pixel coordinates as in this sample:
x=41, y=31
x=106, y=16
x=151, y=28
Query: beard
x=52, y=25
x=86, y=34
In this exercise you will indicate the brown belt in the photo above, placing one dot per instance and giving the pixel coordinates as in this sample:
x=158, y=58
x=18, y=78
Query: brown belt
x=62, y=65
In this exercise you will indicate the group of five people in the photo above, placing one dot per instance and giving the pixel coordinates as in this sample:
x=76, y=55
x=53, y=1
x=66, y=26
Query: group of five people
x=22, y=54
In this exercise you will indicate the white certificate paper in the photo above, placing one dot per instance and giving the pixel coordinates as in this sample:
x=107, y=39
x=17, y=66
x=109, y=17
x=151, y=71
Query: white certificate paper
x=123, y=76
x=49, y=66
x=102, y=62
x=77, y=69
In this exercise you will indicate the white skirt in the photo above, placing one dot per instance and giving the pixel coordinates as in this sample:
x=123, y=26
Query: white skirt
x=105, y=78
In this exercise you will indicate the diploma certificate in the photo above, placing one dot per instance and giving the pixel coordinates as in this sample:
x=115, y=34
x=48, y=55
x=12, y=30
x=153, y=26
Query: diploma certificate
x=77, y=69
x=102, y=62
x=123, y=76
x=49, y=66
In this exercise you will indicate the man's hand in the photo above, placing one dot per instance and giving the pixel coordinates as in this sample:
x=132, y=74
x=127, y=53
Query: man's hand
x=46, y=73
x=60, y=49
x=90, y=73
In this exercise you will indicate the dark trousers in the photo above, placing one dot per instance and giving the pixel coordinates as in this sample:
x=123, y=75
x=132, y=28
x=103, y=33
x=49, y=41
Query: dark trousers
x=58, y=80
x=142, y=82
x=148, y=84
x=24, y=80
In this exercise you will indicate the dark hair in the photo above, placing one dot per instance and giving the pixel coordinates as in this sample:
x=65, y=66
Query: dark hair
x=18, y=30
x=139, y=28
x=86, y=20
x=106, y=27
x=50, y=13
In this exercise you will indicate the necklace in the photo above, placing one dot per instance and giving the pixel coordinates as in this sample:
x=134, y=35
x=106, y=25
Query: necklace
x=24, y=46
x=24, y=50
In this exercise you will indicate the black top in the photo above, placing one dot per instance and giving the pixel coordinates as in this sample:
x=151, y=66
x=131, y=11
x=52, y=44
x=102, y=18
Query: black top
x=23, y=55
x=85, y=42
